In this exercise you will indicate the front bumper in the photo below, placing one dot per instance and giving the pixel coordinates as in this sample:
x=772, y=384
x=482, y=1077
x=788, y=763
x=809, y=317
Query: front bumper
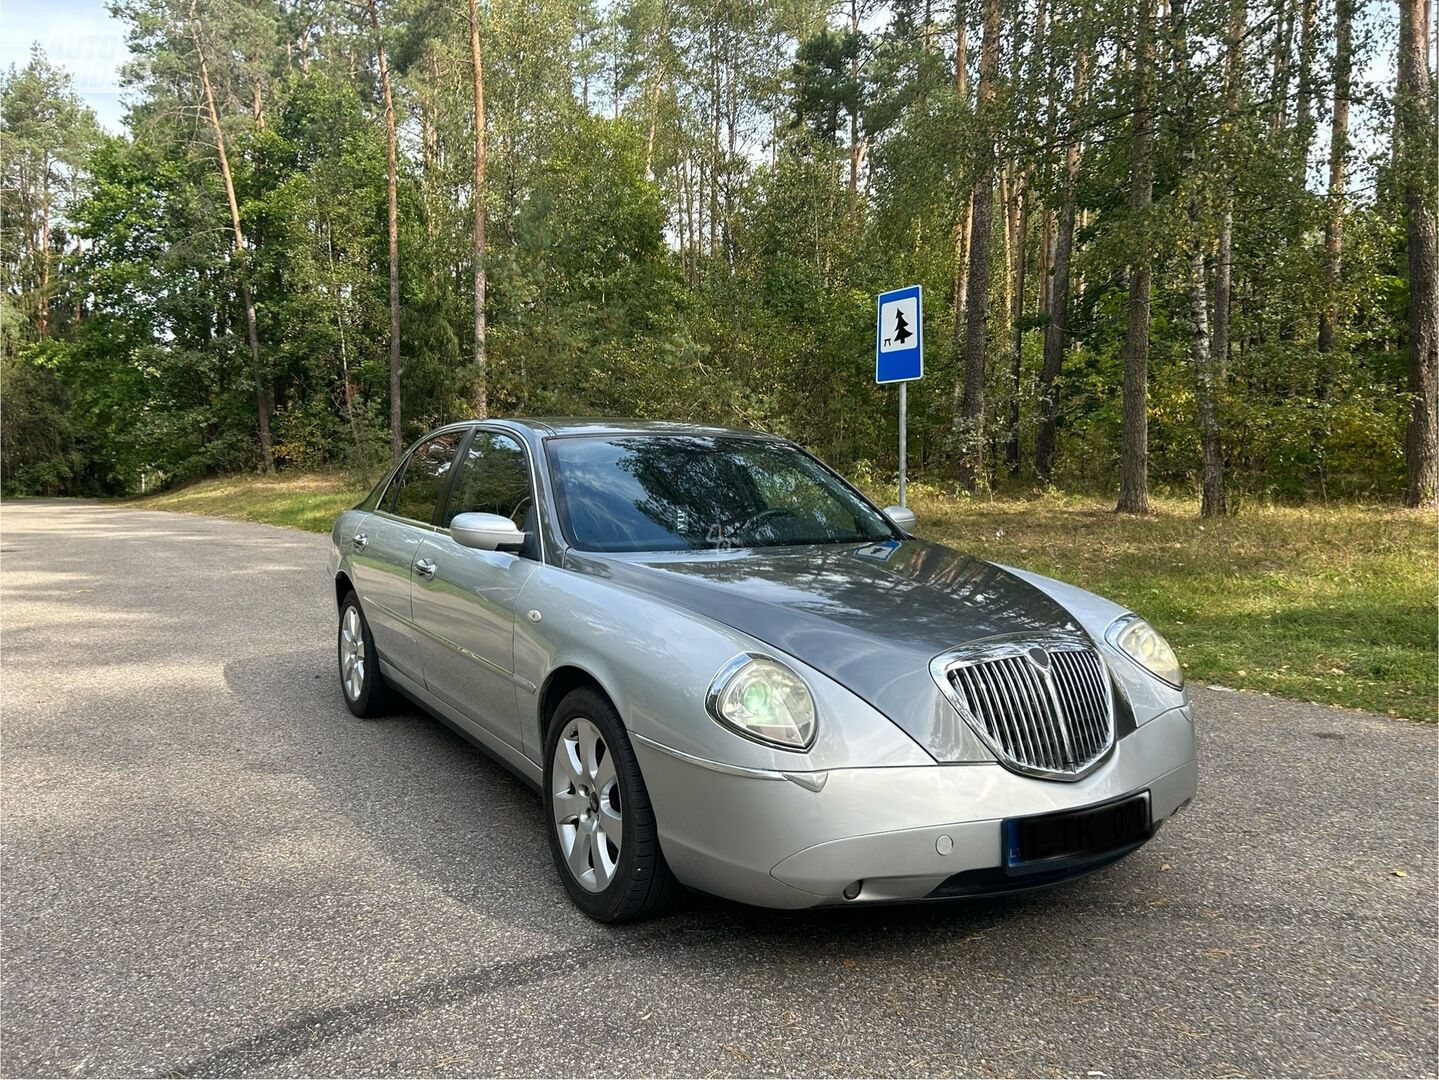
x=907, y=833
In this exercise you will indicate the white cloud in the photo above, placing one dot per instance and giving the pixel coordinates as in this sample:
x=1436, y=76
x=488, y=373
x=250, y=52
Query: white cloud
x=77, y=35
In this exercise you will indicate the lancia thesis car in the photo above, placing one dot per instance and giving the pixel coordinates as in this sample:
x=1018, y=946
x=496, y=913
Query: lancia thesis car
x=726, y=669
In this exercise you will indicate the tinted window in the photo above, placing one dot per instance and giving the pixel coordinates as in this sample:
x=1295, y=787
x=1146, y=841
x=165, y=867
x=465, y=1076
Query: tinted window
x=414, y=492
x=493, y=479
x=673, y=492
x=372, y=500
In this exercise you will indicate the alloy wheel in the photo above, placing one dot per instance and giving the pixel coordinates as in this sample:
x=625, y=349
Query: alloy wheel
x=352, y=654
x=588, y=813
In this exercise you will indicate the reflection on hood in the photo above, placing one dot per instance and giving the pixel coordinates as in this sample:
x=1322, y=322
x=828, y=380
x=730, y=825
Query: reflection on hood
x=871, y=617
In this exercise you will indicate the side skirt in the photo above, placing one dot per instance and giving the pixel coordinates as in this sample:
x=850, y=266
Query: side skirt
x=508, y=756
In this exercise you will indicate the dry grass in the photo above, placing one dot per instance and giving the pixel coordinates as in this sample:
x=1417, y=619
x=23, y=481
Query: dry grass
x=1331, y=604
x=309, y=501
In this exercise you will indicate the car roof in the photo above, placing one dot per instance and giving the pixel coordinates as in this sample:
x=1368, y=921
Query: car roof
x=608, y=425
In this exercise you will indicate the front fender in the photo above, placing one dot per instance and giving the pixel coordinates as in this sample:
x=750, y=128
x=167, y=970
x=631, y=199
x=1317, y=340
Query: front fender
x=1148, y=696
x=656, y=662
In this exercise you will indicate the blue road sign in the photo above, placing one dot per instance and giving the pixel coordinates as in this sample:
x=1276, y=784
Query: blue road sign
x=899, y=336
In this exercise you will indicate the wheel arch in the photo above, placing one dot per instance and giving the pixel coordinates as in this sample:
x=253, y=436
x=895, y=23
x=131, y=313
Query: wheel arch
x=343, y=587
x=558, y=684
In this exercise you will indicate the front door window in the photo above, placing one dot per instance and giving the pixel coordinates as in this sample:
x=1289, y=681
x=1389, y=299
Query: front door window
x=494, y=478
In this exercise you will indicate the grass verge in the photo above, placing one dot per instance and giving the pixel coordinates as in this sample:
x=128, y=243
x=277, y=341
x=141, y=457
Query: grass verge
x=309, y=501
x=1329, y=604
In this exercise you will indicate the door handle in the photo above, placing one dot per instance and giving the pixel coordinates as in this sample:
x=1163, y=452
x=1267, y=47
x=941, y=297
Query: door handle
x=425, y=568
x=360, y=540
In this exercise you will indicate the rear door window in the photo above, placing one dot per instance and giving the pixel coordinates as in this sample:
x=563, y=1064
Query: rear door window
x=414, y=492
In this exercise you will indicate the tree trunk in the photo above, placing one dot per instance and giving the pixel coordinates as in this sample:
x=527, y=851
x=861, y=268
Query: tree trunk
x=1134, y=454
x=961, y=50
x=1304, y=111
x=971, y=419
x=1338, y=153
x=1006, y=211
x=692, y=248
x=656, y=87
x=1056, y=332
x=1016, y=315
x=430, y=180
x=1414, y=116
x=1046, y=219
x=361, y=457
x=1279, y=87
x=1200, y=354
x=252, y=332
x=714, y=167
x=854, y=111
x=1020, y=241
x=960, y=279
x=1224, y=258
x=731, y=153
x=45, y=245
x=482, y=401
x=583, y=63
x=1046, y=257
x=1223, y=289
x=1206, y=411
x=393, y=225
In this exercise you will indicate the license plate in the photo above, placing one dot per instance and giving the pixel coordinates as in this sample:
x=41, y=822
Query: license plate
x=1076, y=834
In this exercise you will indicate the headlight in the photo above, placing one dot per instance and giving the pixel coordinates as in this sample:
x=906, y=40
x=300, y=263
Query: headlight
x=763, y=700
x=1146, y=646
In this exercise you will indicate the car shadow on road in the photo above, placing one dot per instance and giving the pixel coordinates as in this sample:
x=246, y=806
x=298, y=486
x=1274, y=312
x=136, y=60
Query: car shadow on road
x=439, y=809
x=427, y=797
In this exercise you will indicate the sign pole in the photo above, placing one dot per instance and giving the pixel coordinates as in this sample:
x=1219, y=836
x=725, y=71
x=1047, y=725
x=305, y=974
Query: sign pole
x=903, y=421
x=899, y=357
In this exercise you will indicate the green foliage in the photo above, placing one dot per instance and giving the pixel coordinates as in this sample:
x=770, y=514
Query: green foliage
x=672, y=232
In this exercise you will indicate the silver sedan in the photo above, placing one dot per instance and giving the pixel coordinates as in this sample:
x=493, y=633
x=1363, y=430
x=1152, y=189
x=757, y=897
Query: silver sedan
x=725, y=669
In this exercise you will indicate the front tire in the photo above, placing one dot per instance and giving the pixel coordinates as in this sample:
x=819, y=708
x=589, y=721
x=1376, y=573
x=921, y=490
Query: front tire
x=361, y=684
x=599, y=820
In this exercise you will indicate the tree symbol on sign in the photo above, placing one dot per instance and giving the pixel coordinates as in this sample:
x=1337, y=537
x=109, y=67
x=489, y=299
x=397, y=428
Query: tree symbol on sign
x=902, y=332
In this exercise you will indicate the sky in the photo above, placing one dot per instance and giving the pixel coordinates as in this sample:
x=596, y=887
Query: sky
x=81, y=36
x=78, y=35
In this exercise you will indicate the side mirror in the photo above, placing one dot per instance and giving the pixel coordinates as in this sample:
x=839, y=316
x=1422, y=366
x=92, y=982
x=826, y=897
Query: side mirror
x=902, y=517
x=488, y=532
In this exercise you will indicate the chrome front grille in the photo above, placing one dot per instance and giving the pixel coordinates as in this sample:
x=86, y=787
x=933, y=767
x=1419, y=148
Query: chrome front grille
x=1044, y=707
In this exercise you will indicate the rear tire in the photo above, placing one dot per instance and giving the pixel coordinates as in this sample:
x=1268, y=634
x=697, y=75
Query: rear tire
x=361, y=684
x=598, y=817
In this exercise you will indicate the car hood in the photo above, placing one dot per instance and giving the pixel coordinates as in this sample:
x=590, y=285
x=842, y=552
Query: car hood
x=869, y=617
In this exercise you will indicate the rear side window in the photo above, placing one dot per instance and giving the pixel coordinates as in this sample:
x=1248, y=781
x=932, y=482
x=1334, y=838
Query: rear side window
x=414, y=492
x=493, y=479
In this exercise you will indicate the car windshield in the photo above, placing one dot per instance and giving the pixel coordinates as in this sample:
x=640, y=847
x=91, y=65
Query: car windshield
x=683, y=492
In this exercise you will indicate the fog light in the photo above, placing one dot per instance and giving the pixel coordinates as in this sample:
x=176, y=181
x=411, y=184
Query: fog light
x=852, y=889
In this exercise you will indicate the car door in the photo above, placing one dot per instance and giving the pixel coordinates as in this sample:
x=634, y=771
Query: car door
x=387, y=542
x=464, y=599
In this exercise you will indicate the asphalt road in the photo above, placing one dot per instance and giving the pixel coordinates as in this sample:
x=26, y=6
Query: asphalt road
x=210, y=867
